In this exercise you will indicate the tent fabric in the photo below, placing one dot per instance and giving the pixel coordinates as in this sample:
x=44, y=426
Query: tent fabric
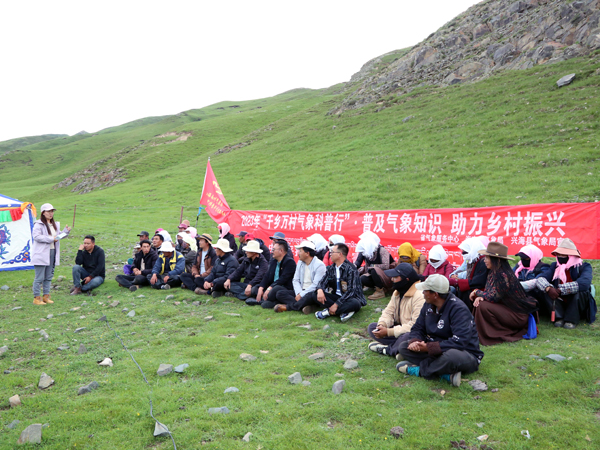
x=15, y=235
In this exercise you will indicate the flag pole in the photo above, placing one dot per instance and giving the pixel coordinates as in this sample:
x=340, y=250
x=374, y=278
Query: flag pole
x=74, y=209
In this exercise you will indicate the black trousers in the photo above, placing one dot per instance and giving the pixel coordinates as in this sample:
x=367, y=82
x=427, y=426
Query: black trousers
x=173, y=281
x=129, y=280
x=191, y=282
x=238, y=288
x=449, y=362
x=279, y=294
x=567, y=310
x=350, y=305
x=371, y=280
x=392, y=342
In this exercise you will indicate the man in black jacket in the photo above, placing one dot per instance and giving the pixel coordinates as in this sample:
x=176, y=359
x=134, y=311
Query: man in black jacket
x=443, y=342
x=89, y=267
x=339, y=291
x=279, y=276
x=142, y=266
x=225, y=265
x=245, y=238
x=252, y=269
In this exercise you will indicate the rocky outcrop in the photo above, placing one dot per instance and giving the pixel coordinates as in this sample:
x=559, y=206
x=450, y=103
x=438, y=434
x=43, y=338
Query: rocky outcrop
x=490, y=36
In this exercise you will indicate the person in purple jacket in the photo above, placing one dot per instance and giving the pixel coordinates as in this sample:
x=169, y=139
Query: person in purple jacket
x=45, y=252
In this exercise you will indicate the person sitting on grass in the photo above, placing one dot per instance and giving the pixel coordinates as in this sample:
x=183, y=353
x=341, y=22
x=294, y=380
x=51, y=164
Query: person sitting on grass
x=144, y=236
x=476, y=273
x=165, y=234
x=443, y=342
x=566, y=284
x=438, y=263
x=278, y=236
x=169, y=265
x=143, y=263
x=252, y=269
x=205, y=260
x=321, y=247
x=309, y=272
x=157, y=242
x=224, y=233
x=502, y=308
x=246, y=237
x=529, y=268
x=333, y=239
x=339, y=291
x=187, y=246
x=278, y=278
x=401, y=313
x=377, y=260
x=225, y=265
x=89, y=267
x=408, y=254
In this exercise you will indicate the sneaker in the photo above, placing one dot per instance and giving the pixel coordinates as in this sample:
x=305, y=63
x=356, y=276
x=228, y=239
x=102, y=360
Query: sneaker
x=251, y=301
x=200, y=291
x=216, y=294
x=322, y=315
x=166, y=286
x=407, y=368
x=346, y=316
x=378, y=348
x=569, y=326
x=229, y=294
x=133, y=288
x=280, y=307
x=76, y=291
x=559, y=323
x=452, y=378
x=310, y=309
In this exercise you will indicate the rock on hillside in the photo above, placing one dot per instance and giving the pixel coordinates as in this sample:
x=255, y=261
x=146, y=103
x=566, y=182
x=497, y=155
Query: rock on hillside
x=490, y=36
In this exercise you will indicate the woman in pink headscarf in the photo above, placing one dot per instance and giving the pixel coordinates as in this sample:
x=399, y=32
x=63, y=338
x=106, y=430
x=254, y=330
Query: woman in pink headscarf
x=566, y=284
x=224, y=233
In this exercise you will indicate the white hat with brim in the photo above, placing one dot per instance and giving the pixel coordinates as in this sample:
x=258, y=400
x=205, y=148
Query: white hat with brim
x=166, y=247
x=252, y=247
x=306, y=244
x=47, y=207
x=436, y=283
x=223, y=245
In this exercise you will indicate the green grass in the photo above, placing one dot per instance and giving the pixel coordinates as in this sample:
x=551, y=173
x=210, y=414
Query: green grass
x=466, y=146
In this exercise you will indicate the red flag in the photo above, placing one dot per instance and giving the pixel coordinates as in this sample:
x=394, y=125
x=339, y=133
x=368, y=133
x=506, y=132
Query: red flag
x=212, y=197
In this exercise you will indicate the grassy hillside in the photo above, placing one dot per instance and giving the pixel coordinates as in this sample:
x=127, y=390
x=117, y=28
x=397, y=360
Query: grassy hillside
x=511, y=139
x=13, y=144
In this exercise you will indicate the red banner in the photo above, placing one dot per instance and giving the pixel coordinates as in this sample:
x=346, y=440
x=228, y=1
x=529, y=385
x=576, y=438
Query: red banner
x=543, y=225
x=212, y=197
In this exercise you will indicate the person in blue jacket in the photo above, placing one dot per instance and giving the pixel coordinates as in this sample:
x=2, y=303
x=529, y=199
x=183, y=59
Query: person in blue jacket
x=443, y=342
x=567, y=287
x=168, y=268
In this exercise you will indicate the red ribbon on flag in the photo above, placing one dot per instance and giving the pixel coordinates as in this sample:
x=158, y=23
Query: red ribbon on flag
x=212, y=197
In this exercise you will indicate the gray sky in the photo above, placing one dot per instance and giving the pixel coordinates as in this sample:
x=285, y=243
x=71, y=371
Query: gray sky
x=79, y=65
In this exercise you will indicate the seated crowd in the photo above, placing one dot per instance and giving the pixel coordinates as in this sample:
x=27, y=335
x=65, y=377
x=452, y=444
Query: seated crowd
x=437, y=317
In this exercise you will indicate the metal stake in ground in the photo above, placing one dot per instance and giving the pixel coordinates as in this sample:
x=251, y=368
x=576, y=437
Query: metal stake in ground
x=74, y=209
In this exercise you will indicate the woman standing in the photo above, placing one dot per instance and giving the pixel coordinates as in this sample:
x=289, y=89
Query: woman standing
x=502, y=309
x=45, y=252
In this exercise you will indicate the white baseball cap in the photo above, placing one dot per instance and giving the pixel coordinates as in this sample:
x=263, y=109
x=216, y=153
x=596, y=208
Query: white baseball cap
x=47, y=207
x=307, y=244
x=436, y=283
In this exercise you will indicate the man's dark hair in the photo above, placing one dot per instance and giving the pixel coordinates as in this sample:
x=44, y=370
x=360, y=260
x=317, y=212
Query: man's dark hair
x=310, y=251
x=343, y=248
x=283, y=244
x=161, y=237
x=145, y=241
x=90, y=237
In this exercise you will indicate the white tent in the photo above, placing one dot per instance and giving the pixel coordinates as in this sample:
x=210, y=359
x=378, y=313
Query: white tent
x=15, y=235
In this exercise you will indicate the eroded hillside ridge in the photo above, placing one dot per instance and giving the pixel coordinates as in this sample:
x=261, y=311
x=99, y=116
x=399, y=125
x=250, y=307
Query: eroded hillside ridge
x=490, y=36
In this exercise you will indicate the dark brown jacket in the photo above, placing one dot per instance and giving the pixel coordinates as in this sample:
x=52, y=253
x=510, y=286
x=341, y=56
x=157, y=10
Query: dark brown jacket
x=210, y=257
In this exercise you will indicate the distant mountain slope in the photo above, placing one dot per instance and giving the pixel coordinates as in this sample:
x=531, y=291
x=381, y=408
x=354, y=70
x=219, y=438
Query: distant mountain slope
x=13, y=144
x=490, y=36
